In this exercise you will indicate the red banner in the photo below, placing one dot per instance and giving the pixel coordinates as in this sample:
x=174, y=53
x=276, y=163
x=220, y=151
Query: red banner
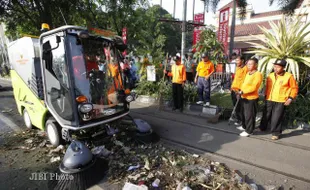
x=198, y=18
x=224, y=28
x=124, y=36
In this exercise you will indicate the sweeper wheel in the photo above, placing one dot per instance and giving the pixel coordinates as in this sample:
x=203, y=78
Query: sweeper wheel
x=53, y=131
x=27, y=119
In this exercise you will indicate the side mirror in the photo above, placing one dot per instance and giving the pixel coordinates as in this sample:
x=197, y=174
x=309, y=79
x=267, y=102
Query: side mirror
x=58, y=40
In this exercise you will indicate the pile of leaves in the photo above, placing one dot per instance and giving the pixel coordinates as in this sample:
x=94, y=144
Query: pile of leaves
x=143, y=164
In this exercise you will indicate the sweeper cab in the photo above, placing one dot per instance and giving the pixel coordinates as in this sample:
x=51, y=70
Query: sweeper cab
x=68, y=81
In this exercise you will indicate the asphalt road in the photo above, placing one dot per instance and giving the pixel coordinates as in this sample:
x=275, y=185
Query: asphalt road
x=250, y=155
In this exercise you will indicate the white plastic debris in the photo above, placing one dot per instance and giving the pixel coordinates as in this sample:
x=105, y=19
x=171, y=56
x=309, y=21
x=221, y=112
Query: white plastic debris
x=130, y=186
x=195, y=155
x=133, y=167
x=101, y=151
x=58, y=149
x=55, y=159
x=156, y=183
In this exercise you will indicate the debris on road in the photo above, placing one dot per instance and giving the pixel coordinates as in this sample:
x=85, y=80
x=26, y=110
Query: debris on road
x=157, y=166
x=55, y=159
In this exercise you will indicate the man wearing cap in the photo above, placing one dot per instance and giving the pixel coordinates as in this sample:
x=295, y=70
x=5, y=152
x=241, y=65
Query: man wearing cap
x=178, y=74
x=281, y=89
x=204, y=70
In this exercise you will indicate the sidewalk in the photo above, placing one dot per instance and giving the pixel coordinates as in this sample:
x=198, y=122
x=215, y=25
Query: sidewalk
x=289, y=155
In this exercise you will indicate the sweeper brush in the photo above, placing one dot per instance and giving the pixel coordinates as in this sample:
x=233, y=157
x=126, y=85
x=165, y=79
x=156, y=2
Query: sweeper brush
x=79, y=170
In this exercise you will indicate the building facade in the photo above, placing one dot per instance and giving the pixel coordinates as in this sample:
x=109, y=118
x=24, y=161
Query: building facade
x=248, y=29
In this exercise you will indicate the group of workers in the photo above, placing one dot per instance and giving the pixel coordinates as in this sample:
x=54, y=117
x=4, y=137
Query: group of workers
x=280, y=90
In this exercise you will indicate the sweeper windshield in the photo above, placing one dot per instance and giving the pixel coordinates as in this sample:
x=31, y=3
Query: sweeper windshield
x=97, y=76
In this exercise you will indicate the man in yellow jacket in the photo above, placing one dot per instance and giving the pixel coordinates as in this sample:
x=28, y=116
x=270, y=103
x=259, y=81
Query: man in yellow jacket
x=241, y=71
x=281, y=89
x=204, y=70
x=178, y=74
x=249, y=94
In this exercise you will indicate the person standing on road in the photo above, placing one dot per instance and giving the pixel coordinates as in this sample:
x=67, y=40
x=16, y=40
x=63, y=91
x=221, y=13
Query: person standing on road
x=178, y=74
x=204, y=70
x=241, y=71
x=249, y=94
x=281, y=89
x=189, y=64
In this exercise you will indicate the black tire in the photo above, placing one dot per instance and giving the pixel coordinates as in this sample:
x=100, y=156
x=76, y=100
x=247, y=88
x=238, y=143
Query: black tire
x=27, y=119
x=53, y=131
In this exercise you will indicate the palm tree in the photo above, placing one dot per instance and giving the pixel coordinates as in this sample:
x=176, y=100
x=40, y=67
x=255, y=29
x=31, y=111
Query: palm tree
x=288, y=39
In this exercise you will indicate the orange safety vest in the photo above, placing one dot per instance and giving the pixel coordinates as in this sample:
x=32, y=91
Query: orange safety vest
x=251, y=85
x=239, y=78
x=178, y=73
x=280, y=88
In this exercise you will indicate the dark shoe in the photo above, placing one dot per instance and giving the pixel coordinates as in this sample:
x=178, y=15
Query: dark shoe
x=181, y=110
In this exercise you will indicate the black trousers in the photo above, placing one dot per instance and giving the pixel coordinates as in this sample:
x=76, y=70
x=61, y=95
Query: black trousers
x=189, y=76
x=273, y=117
x=238, y=114
x=249, y=111
x=177, y=92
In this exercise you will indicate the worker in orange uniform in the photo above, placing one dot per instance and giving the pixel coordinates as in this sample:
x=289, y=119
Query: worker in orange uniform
x=178, y=74
x=249, y=94
x=281, y=89
x=204, y=70
x=241, y=71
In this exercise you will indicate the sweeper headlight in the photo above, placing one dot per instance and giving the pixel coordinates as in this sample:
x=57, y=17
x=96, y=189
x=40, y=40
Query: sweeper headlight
x=85, y=108
x=129, y=98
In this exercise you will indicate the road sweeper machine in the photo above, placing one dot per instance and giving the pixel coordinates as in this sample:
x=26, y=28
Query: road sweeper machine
x=69, y=81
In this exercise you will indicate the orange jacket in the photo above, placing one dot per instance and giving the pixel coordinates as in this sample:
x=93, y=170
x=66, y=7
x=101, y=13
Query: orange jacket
x=239, y=78
x=178, y=73
x=251, y=85
x=205, y=69
x=280, y=88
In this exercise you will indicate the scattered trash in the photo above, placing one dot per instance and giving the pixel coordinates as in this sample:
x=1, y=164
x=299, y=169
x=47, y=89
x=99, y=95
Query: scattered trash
x=253, y=186
x=195, y=155
x=55, y=159
x=134, y=177
x=57, y=150
x=147, y=164
x=133, y=167
x=238, y=176
x=130, y=186
x=156, y=183
x=28, y=141
x=42, y=144
x=101, y=151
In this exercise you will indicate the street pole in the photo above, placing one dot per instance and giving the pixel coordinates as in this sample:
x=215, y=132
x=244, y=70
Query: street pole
x=232, y=29
x=161, y=3
x=174, y=9
x=193, y=10
x=183, y=30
